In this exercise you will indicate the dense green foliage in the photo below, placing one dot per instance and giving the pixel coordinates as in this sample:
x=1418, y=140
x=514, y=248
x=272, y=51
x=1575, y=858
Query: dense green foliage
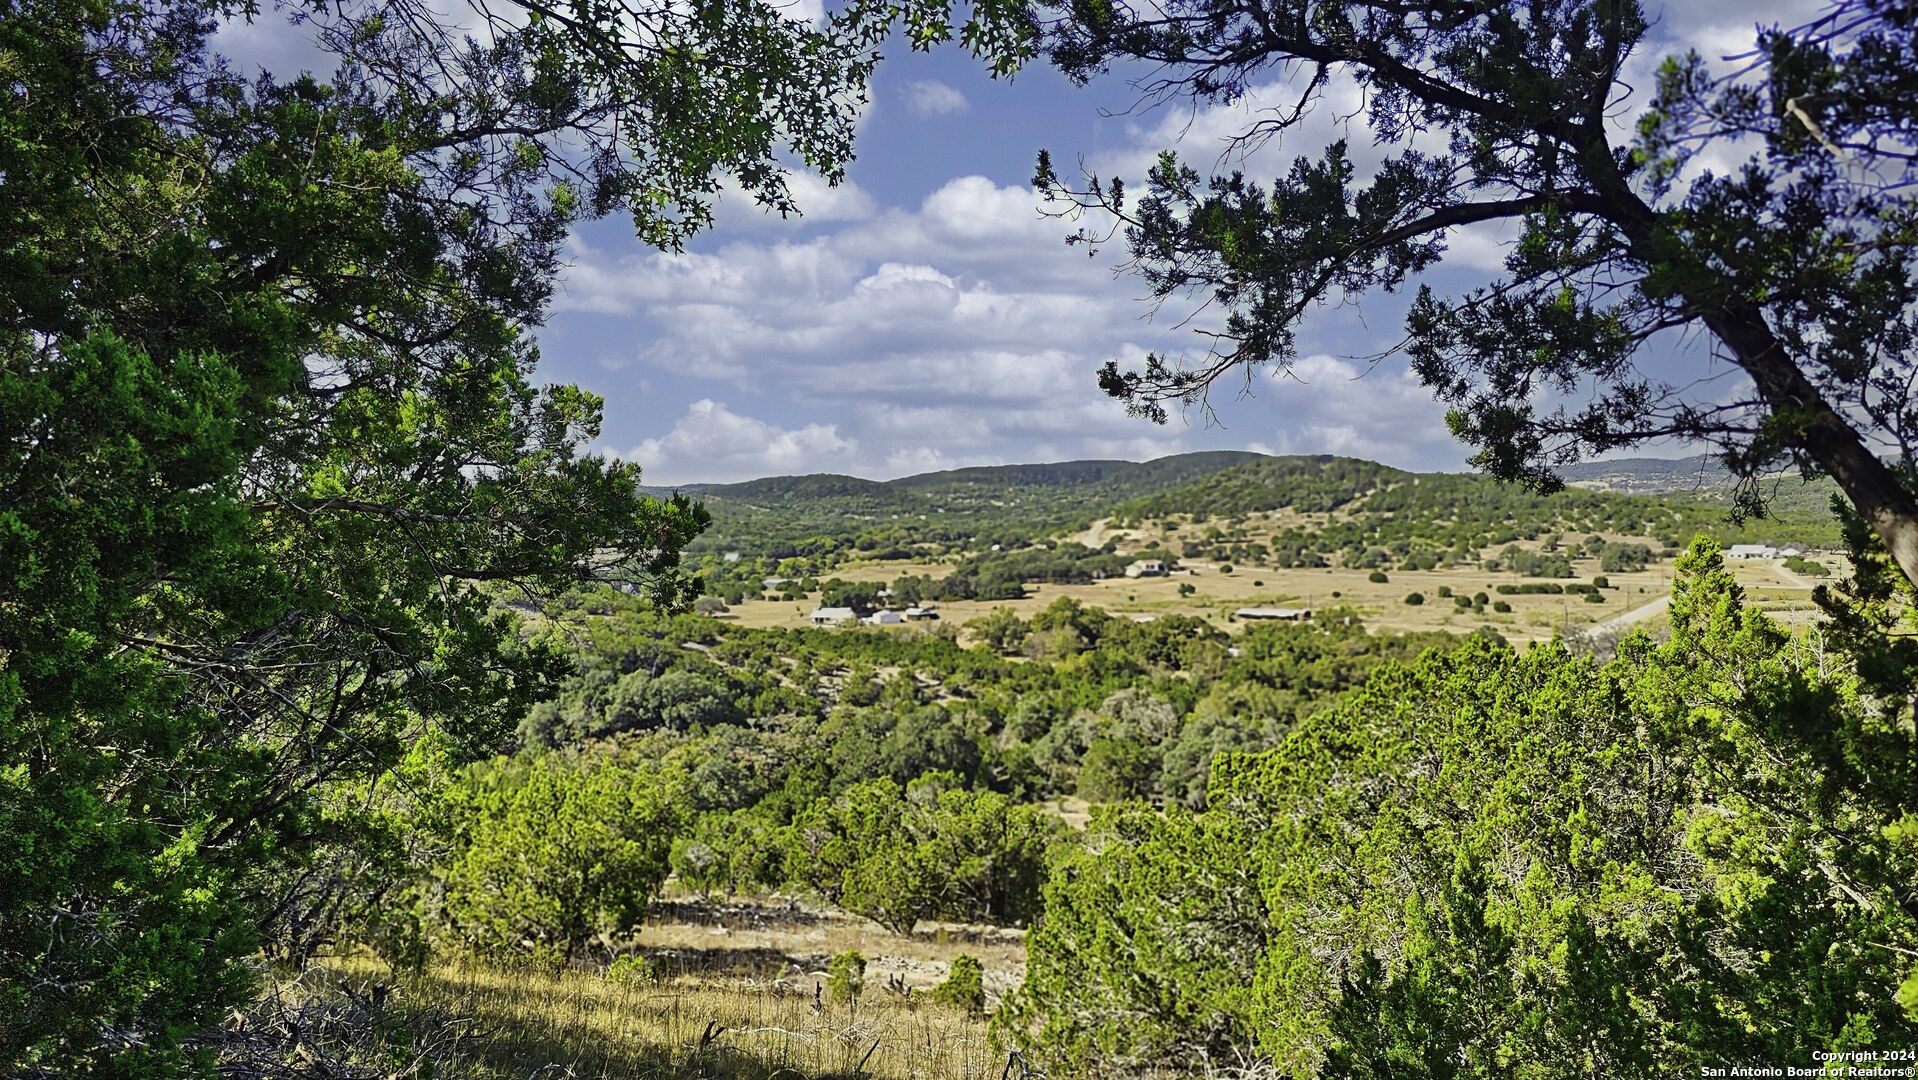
x=797, y=714
x=1798, y=564
x=1488, y=864
x=548, y=856
x=964, y=986
x=846, y=976
x=929, y=852
x=270, y=434
x=1530, y=588
x=1317, y=484
x=894, y=774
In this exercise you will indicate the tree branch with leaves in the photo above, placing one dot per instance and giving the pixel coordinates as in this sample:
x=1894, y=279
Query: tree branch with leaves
x=1801, y=264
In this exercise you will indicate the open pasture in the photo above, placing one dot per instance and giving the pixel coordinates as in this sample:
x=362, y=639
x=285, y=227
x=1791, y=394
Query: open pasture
x=1214, y=593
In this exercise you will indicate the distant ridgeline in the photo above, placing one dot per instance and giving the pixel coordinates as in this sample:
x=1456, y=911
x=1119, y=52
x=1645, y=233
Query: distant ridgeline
x=1338, y=511
x=1002, y=526
x=785, y=516
x=1701, y=477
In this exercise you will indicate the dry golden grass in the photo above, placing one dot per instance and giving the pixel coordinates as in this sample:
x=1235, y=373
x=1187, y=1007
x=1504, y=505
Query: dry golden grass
x=767, y=940
x=738, y=996
x=530, y=1023
x=1216, y=594
x=1074, y=811
x=889, y=570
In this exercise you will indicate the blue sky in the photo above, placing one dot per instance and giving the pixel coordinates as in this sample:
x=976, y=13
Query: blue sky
x=925, y=315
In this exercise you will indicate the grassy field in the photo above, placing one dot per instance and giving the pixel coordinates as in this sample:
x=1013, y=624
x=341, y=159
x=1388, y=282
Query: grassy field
x=737, y=998
x=1217, y=594
x=790, y=943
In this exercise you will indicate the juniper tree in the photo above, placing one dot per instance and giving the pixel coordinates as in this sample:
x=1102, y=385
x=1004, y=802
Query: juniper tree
x=271, y=443
x=1798, y=263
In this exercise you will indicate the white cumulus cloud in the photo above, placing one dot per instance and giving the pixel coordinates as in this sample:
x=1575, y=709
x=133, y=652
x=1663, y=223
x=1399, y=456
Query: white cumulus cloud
x=713, y=443
x=961, y=332
x=927, y=98
x=1329, y=405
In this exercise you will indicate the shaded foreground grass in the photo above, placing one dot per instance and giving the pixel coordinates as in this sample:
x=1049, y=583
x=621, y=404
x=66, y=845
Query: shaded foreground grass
x=526, y=1023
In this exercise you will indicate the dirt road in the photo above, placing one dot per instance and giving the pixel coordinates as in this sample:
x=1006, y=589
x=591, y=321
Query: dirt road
x=1639, y=614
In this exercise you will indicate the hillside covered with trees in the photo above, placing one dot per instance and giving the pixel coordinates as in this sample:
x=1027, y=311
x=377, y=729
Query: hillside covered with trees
x=1249, y=511
x=819, y=515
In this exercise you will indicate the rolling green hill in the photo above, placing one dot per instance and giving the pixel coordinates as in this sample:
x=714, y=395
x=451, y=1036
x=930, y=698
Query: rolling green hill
x=1369, y=515
x=1307, y=483
x=1651, y=476
x=1084, y=485
x=1379, y=504
x=786, y=515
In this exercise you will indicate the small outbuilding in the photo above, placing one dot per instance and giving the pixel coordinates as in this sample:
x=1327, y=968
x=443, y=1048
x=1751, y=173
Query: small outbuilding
x=921, y=613
x=884, y=617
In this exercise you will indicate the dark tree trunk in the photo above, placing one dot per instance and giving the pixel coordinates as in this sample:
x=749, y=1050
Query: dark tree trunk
x=1873, y=487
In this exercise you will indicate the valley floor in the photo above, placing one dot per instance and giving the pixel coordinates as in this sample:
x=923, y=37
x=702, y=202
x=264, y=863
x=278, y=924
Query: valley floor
x=1216, y=595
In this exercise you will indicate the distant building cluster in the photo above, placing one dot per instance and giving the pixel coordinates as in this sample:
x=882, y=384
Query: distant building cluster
x=1761, y=551
x=845, y=616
